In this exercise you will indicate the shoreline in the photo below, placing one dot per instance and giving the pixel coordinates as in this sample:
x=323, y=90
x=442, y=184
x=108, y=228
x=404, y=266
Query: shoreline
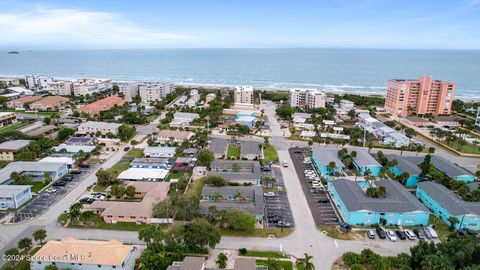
x=329, y=90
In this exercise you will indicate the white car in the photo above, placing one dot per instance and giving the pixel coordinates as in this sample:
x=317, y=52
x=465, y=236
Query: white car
x=269, y=194
x=432, y=232
x=50, y=190
x=391, y=235
x=410, y=234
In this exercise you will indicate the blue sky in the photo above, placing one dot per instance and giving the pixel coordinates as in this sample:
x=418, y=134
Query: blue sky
x=90, y=24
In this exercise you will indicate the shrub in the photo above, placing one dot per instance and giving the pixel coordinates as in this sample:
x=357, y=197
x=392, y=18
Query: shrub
x=242, y=251
x=351, y=258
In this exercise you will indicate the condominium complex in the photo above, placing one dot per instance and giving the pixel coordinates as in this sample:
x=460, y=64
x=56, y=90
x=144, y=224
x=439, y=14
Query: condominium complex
x=104, y=104
x=38, y=83
x=49, y=103
x=150, y=91
x=307, y=98
x=82, y=87
x=420, y=97
x=128, y=89
x=7, y=118
x=61, y=88
x=244, y=95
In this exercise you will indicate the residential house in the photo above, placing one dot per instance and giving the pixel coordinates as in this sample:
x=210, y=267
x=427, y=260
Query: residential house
x=246, y=198
x=322, y=158
x=159, y=152
x=248, y=121
x=103, y=104
x=150, y=163
x=168, y=136
x=68, y=148
x=8, y=148
x=250, y=150
x=70, y=253
x=144, y=174
x=104, y=128
x=81, y=141
x=445, y=204
x=237, y=171
x=49, y=103
x=398, y=207
x=14, y=196
x=219, y=146
x=20, y=103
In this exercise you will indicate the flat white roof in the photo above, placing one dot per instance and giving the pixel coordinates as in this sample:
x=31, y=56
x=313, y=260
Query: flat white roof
x=159, y=150
x=75, y=148
x=67, y=160
x=11, y=190
x=143, y=173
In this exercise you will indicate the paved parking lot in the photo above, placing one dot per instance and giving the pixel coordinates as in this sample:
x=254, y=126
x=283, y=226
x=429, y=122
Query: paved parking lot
x=320, y=205
x=278, y=208
x=44, y=200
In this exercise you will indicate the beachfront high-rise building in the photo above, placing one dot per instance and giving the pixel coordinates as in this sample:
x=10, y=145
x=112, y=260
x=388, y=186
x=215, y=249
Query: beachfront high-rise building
x=244, y=95
x=128, y=89
x=420, y=97
x=61, y=88
x=307, y=98
x=82, y=87
x=38, y=83
x=151, y=91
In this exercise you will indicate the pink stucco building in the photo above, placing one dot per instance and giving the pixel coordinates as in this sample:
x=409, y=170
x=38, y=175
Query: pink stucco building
x=420, y=97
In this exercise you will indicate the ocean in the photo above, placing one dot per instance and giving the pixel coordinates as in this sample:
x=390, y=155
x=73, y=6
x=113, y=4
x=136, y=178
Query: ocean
x=347, y=70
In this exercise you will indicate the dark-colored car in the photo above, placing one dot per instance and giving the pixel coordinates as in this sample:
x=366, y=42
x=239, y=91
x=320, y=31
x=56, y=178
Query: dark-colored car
x=86, y=201
x=59, y=184
x=419, y=233
x=75, y=172
x=126, y=148
x=326, y=200
x=427, y=233
x=401, y=234
x=67, y=178
x=84, y=165
x=381, y=233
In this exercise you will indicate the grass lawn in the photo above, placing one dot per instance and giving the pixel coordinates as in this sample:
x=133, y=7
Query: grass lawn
x=99, y=188
x=98, y=223
x=233, y=151
x=468, y=148
x=440, y=227
x=62, y=218
x=14, y=126
x=270, y=153
x=37, y=186
x=3, y=164
x=286, y=265
x=134, y=153
x=334, y=232
x=118, y=168
x=195, y=188
x=175, y=175
x=266, y=254
x=277, y=232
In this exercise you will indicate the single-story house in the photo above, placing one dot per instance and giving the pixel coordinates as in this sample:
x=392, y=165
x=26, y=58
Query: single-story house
x=444, y=203
x=238, y=171
x=70, y=253
x=14, y=196
x=322, y=157
x=248, y=121
x=166, y=136
x=365, y=163
x=8, y=148
x=159, y=152
x=143, y=174
x=67, y=160
x=250, y=150
x=246, y=198
x=185, y=115
x=74, y=148
x=398, y=207
x=150, y=163
x=81, y=141
x=93, y=127
x=219, y=146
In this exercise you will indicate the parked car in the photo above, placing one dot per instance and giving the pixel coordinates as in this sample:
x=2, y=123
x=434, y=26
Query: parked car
x=381, y=233
x=401, y=234
x=50, y=190
x=126, y=148
x=84, y=165
x=410, y=234
x=419, y=233
x=283, y=224
x=269, y=194
x=391, y=235
x=326, y=200
x=75, y=172
x=432, y=232
x=371, y=234
x=427, y=233
x=86, y=200
x=59, y=184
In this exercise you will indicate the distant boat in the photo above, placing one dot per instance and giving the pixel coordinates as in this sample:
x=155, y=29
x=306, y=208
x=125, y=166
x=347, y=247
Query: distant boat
x=13, y=52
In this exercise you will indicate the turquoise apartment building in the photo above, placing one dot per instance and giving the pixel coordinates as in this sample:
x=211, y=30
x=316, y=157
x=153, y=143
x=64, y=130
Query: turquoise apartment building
x=408, y=165
x=399, y=207
x=364, y=163
x=444, y=203
x=452, y=169
x=322, y=156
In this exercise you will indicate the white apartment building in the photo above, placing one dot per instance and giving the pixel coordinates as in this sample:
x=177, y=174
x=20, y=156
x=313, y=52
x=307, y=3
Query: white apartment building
x=82, y=87
x=477, y=120
x=38, y=83
x=128, y=89
x=307, y=98
x=61, y=88
x=149, y=91
x=244, y=95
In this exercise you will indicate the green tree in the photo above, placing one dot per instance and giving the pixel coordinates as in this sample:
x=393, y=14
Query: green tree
x=47, y=120
x=105, y=178
x=222, y=260
x=436, y=262
x=273, y=264
x=117, y=190
x=130, y=191
x=453, y=222
x=306, y=262
x=12, y=252
x=74, y=211
x=284, y=111
x=431, y=150
x=199, y=234
x=240, y=220
x=151, y=234
x=65, y=133
x=25, y=244
x=125, y=132
x=331, y=167
x=47, y=178
x=40, y=235
x=205, y=158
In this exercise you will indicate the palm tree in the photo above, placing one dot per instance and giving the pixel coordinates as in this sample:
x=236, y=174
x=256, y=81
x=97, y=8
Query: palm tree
x=75, y=210
x=240, y=196
x=217, y=196
x=331, y=167
x=306, y=262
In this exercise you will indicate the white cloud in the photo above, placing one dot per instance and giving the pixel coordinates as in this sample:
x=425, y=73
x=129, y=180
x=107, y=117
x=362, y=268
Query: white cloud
x=58, y=28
